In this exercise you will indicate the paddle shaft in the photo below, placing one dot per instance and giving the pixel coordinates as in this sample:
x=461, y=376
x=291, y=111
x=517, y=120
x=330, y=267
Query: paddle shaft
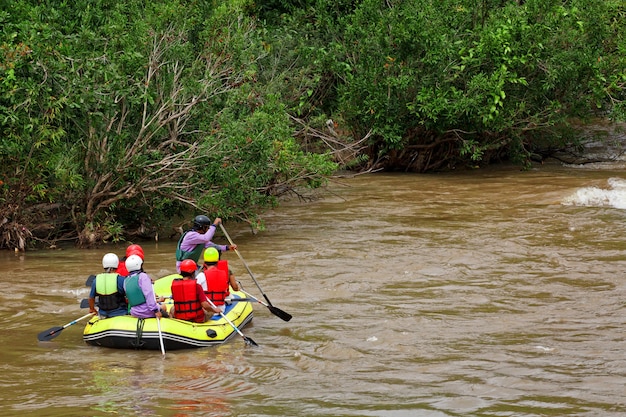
x=160, y=336
x=159, y=328
x=244, y=263
x=55, y=331
x=274, y=310
x=245, y=338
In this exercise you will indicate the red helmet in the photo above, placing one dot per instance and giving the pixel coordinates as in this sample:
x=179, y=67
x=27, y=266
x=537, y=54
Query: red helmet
x=189, y=266
x=134, y=250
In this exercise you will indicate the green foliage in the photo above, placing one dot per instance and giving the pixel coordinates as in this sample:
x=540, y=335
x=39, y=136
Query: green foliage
x=128, y=113
x=484, y=73
x=106, y=107
x=255, y=150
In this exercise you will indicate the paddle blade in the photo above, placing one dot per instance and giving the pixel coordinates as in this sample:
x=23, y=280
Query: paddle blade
x=90, y=280
x=49, y=334
x=84, y=303
x=280, y=313
x=250, y=341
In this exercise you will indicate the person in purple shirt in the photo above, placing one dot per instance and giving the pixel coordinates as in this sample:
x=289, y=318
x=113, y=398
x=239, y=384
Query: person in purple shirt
x=193, y=242
x=139, y=291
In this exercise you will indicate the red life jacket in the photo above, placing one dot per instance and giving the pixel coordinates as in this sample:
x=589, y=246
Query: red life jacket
x=217, y=284
x=121, y=269
x=186, y=303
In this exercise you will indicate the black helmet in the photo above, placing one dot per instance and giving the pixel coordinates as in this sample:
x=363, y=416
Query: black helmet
x=201, y=221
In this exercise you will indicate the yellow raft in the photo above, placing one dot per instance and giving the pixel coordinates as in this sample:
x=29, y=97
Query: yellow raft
x=126, y=332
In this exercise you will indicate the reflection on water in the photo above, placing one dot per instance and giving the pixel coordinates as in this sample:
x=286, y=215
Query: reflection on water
x=489, y=293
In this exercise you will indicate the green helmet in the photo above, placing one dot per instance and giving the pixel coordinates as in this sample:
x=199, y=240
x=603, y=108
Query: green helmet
x=211, y=255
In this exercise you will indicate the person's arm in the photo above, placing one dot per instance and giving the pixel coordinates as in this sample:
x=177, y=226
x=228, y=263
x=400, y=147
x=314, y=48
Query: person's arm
x=204, y=301
x=233, y=281
x=92, y=305
x=145, y=283
x=120, y=285
x=92, y=298
x=194, y=238
x=209, y=308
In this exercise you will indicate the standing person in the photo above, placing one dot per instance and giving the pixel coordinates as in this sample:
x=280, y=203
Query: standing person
x=139, y=291
x=109, y=288
x=216, y=278
x=133, y=249
x=190, y=302
x=192, y=242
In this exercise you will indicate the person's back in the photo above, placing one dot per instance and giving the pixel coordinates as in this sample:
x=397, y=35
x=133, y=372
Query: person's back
x=189, y=299
x=109, y=288
x=194, y=241
x=139, y=291
x=217, y=284
x=187, y=304
x=215, y=279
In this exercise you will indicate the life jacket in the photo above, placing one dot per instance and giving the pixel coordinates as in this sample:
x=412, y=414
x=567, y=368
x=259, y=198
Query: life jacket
x=133, y=290
x=223, y=265
x=186, y=303
x=109, y=297
x=217, y=284
x=121, y=268
x=194, y=254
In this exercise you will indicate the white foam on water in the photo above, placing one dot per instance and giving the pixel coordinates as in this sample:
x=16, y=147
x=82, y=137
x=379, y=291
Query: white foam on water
x=544, y=349
x=612, y=196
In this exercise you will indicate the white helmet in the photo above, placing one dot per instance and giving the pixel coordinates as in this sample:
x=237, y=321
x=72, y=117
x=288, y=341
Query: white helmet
x=110, y=260
x=133, y=263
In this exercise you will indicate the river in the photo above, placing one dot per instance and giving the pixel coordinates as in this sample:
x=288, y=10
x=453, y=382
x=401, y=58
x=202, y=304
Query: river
x=494, y=292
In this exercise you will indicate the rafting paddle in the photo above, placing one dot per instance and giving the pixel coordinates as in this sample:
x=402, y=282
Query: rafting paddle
x=275, y=310
x=245, y=338
x=159, y=328
x=285, y=315
x=53, y=332
x=160, y=336
x=89, y=281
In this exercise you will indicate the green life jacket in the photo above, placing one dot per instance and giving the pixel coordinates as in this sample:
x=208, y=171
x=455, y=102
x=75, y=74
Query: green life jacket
x=106, y=290
x=194, y=254
x=133, y=290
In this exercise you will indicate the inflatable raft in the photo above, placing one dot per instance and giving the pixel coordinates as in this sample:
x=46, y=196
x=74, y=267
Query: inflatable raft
x=126, y=332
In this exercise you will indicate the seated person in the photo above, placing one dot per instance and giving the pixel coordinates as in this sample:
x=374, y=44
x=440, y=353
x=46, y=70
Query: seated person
x=190, y=302
x=109, y=288
x=216, y=278
x=139, y=291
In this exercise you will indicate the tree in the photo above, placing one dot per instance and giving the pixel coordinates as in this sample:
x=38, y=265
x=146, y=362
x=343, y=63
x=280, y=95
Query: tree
x=436, y=85
x=141, y=96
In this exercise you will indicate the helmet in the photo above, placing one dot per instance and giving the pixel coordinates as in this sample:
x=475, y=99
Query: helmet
x=110, y=260
x=201, y=221
x=134, y=248
x=211, y=255
x=189, y=266
x=133, y=263
x=135, y=252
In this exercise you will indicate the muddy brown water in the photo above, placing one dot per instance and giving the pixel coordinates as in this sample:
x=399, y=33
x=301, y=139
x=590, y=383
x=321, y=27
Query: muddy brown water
x=487, y=293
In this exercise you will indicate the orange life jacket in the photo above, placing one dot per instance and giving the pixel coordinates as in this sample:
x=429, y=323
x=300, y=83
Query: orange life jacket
x=186, y=303
x=217, y=284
